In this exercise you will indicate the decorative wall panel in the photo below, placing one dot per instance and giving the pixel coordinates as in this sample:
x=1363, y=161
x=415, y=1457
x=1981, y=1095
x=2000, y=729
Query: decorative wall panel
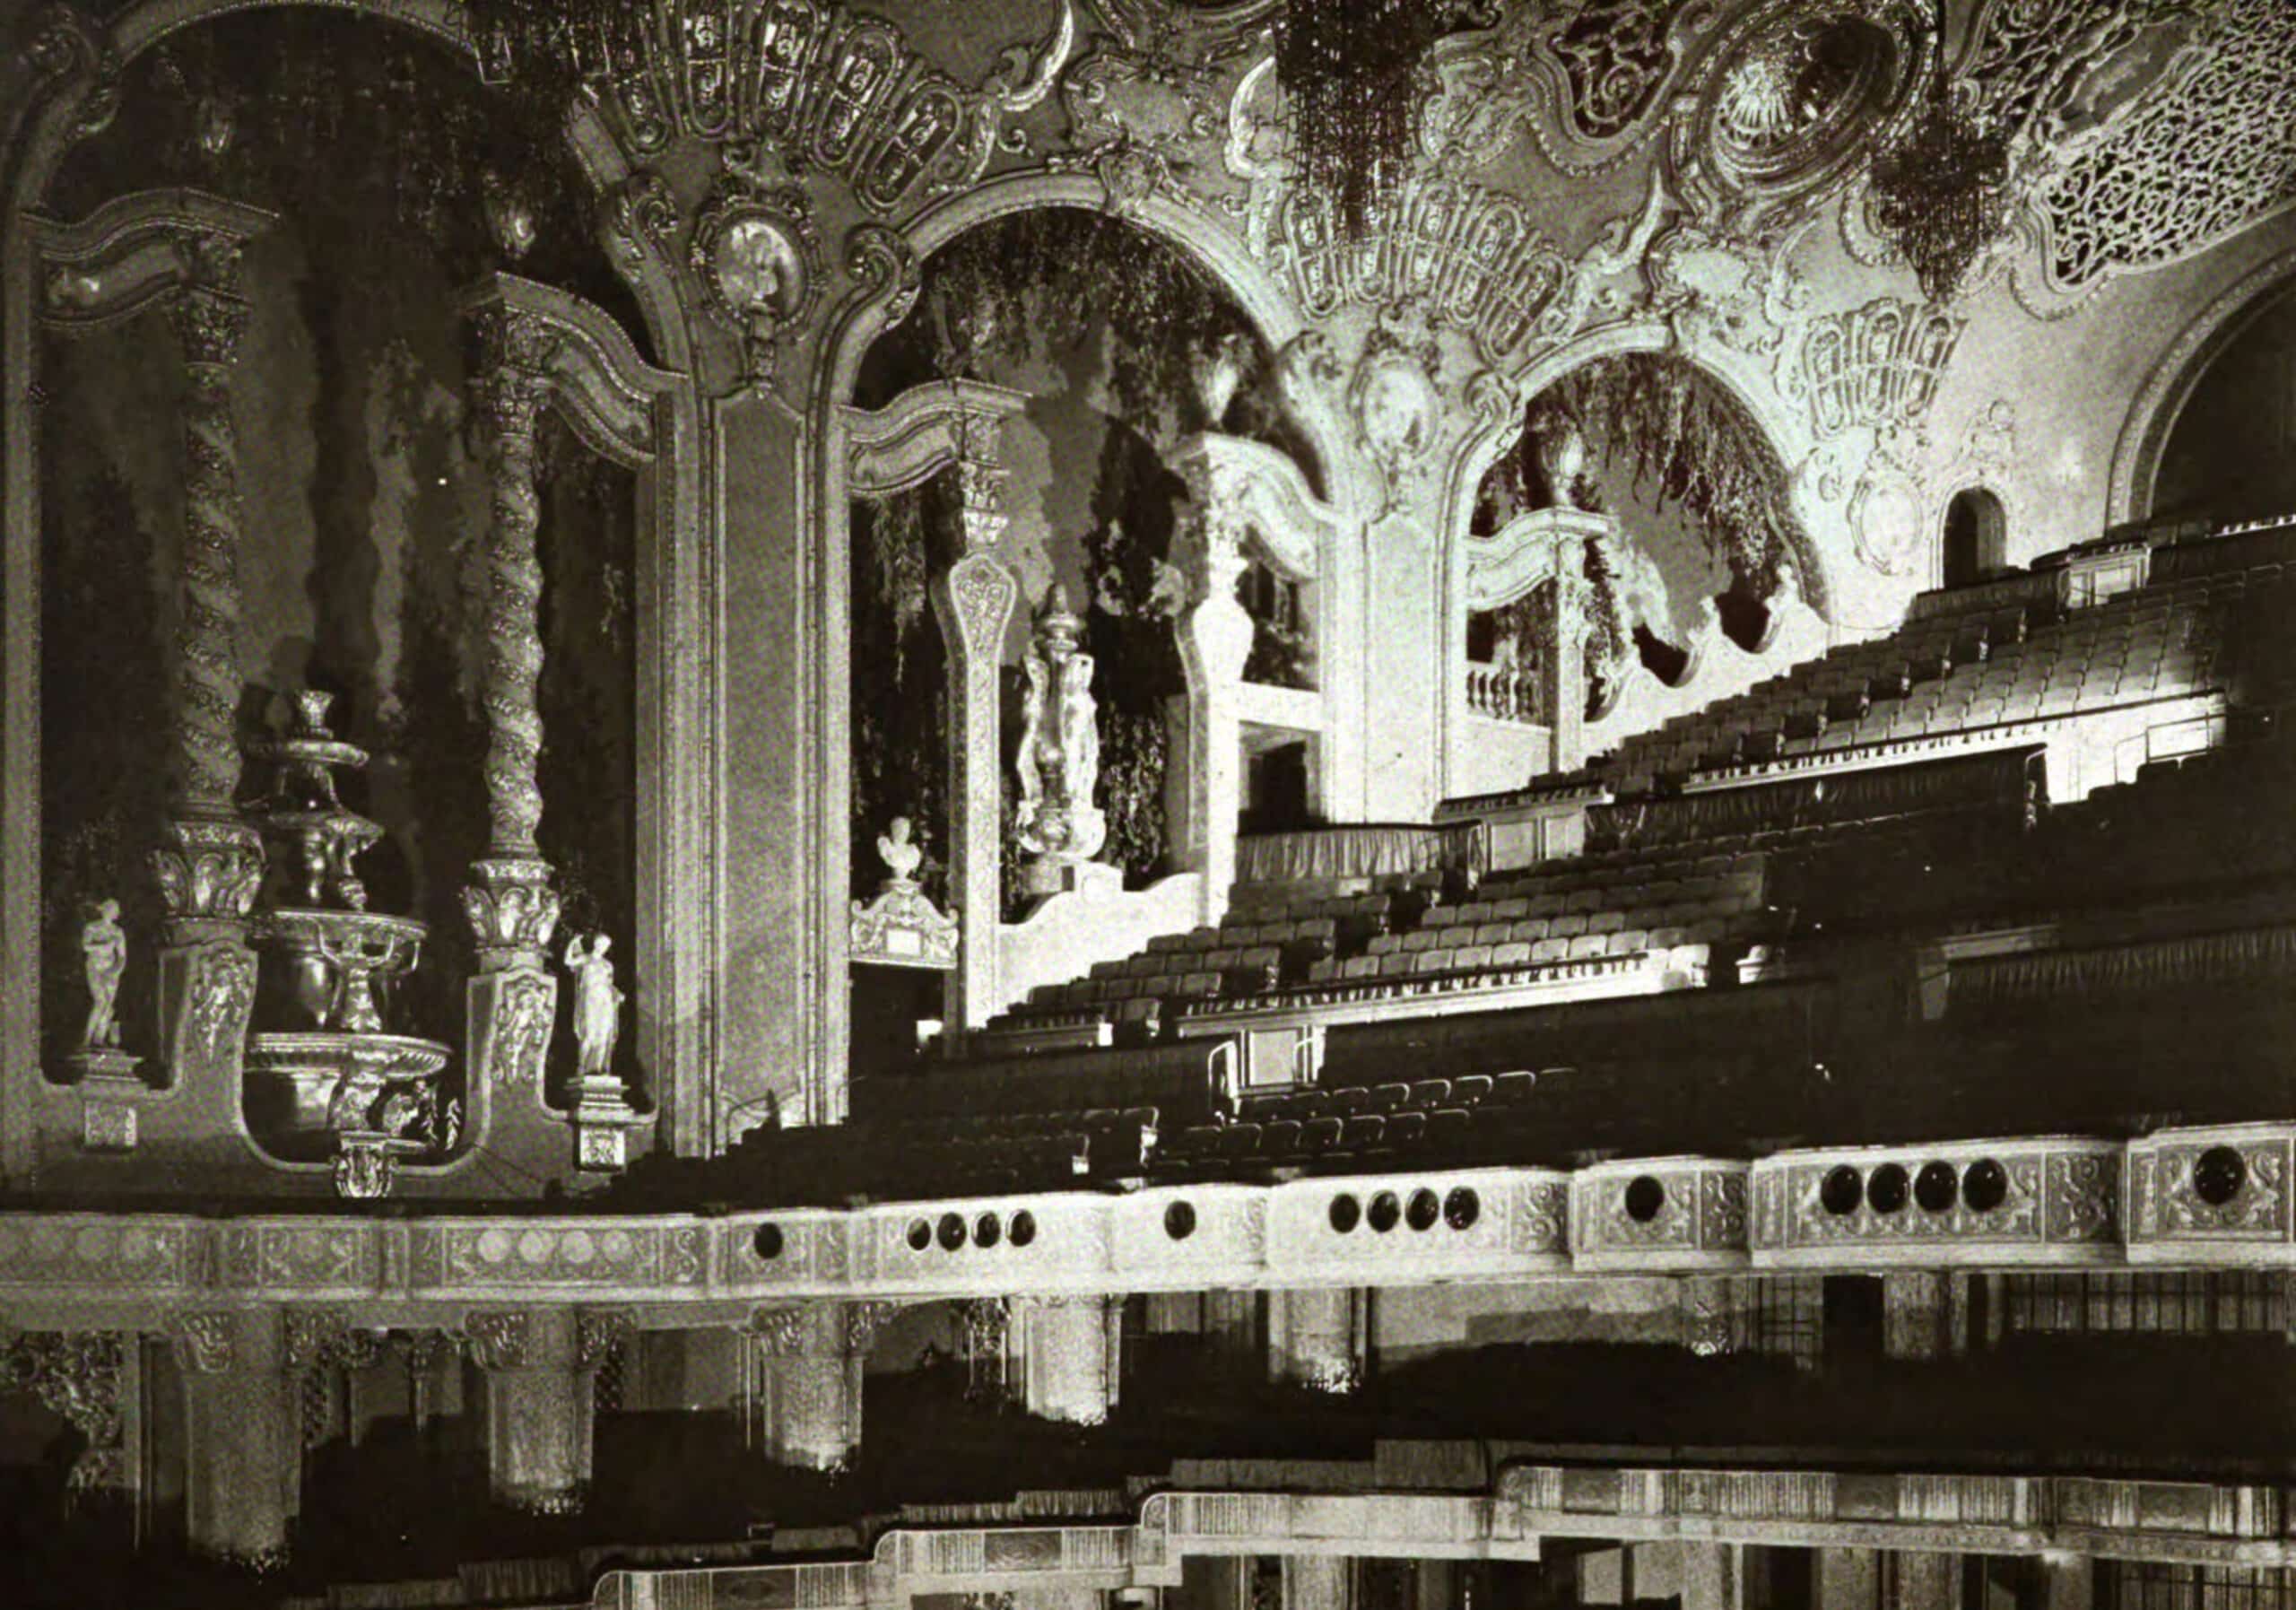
x=2054, y=1201
x=1662, y=1213
x=1490, y=1219
x=2215, y=1196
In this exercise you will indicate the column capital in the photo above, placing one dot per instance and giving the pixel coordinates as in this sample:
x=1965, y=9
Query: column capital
x=209, y=870
x=515, y=339
x=218, y=1341
x=598, y=1331
x=210, y=324
x=512, y=910
x=324, y=1338
x=498, y=1339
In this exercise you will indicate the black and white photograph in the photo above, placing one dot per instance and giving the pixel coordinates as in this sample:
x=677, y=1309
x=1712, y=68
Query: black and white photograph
x=1148, y=805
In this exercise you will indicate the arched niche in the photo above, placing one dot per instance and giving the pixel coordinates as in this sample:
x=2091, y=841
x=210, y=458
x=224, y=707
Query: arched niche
x=890, y=264
x=2153, y=413
x=1502, y=434
x=1671, y=583
x=2226, y=457
x=620, y=410
x=1974, y=544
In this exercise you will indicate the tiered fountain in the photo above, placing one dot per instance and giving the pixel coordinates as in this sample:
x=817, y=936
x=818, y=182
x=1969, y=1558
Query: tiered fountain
x=337, y=1085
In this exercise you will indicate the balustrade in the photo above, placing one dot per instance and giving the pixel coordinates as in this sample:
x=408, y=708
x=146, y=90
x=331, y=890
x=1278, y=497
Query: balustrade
x=1503, y=694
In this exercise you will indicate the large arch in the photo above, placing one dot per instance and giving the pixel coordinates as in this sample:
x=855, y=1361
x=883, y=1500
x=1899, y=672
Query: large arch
x=2158, y=405
x=1503, y=428
x=825, y=505
x=75, y=65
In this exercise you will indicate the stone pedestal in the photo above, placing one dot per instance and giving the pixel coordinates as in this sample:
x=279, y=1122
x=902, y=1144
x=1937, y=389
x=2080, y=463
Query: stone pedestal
x=539, y=1409
x=1316, y=1338
x=1069, y=1358
x=243, y=1457
x=109, y=1091
x=1318, y=1582
x=206, y=994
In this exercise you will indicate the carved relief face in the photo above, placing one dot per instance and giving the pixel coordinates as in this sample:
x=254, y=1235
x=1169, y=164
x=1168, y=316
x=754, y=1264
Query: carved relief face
x=756, y=267
x=1396, y=407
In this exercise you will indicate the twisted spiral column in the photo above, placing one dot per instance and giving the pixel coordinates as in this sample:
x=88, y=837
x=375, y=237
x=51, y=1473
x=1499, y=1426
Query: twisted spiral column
x=516, y=347
x=209, y=321
x=513, y=908
x=208, y=863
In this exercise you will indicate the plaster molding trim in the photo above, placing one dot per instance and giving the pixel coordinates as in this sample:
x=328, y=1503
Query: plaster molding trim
x=923, y=431
x=1261, y=488
x=1504, y=567
x=132, y=252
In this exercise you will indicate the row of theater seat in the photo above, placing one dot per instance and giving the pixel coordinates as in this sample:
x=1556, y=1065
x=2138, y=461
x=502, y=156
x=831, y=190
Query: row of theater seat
x=2212, y=822
x=1959, y=673
x=1550, y=1118
x=896, y=1159
x=1792, y=705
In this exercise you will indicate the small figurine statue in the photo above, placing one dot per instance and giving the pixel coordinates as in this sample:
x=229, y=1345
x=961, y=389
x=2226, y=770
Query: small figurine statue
x=900, y=855
x=598, y=1003
x=105, y=946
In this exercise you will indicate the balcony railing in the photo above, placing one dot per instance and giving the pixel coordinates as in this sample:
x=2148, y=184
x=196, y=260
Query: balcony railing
x=1507, y=693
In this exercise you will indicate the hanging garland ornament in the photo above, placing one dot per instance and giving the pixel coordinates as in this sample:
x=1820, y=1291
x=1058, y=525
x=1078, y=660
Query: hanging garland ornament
x=1940, y=193
x=1347, y=69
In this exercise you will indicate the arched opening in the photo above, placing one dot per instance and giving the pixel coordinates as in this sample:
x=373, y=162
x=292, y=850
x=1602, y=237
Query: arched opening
x=2231, y=454
x=398, y=179
x=1702, y=536
x=1124, y=349
x=1976, y=539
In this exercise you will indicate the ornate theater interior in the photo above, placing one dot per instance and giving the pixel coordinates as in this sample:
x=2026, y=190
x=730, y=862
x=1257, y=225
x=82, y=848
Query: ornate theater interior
x=1131, y=805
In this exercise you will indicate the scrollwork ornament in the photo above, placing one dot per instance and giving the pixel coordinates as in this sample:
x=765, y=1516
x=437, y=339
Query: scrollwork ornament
x=886, y=266
x=638, y=216
x=1396, y=407
x=1542, y=1216
x=80, y=1375
x=2161, y=139
x=1784, y=106
x=66, y=44
x=985, y=592
x=222, y=996
x=1722, y=1218
x=756, y=255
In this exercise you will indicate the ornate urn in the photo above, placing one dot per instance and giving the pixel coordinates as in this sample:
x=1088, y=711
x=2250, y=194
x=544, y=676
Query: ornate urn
x=330, y=1079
